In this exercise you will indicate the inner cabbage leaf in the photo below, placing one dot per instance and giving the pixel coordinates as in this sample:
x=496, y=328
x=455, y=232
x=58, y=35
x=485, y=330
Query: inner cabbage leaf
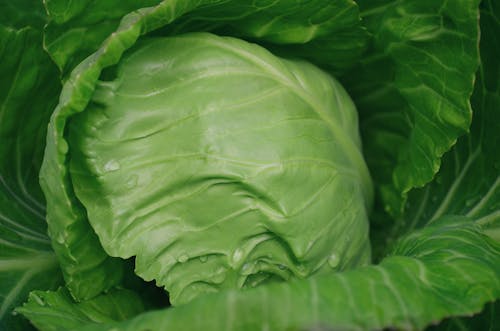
x=220, y=165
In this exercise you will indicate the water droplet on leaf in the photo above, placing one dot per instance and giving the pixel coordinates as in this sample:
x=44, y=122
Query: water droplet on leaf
x=112, y=165
x=333, y=260
x=60, y=238
x=219, y=276
x=38, y=299
x=132, y=181
x=63, y=147
x=237, y=256
x=183, y=258
x=246, y=269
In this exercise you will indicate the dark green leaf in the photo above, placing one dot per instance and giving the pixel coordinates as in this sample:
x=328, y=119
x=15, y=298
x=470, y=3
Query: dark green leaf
x=77, y=28
x=22, y=13
x=468, y=182
x=28, y=93
x=412, y=89
x=331, y=36
x=487, y=320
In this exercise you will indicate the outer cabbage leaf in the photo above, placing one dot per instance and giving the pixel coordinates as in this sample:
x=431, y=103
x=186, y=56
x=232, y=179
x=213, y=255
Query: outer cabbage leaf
x=22, y=13
x=332, y=34
x=77, y=28
x=489, y=319
x=57, y=311
x=468, y=182
x=87, y=268
x=448, y=268
x=28, y=93
x=413, y=88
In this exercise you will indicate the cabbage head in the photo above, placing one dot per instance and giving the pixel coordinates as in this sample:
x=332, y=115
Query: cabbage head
x=219, y=165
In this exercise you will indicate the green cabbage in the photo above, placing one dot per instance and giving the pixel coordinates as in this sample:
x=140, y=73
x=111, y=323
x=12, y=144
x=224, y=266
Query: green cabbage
x=219, y=165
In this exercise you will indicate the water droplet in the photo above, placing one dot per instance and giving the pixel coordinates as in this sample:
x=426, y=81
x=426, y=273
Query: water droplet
x=111, y=165
x=282, y=267
x=333, y=260
x=61, y=238
x=203, y=258
x=246, y=269
x=38, y=299
x=183, y=258
x=219, y=276
x=434, y=198
x=132, y=181
x=63, y=147
x=237, y=256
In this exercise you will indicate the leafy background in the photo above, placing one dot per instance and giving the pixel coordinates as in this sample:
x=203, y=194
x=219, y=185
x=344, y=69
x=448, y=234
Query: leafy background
x=28, y=93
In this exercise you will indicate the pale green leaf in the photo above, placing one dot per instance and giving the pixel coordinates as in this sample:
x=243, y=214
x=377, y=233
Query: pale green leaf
x=57, y=311
x=167, y=165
